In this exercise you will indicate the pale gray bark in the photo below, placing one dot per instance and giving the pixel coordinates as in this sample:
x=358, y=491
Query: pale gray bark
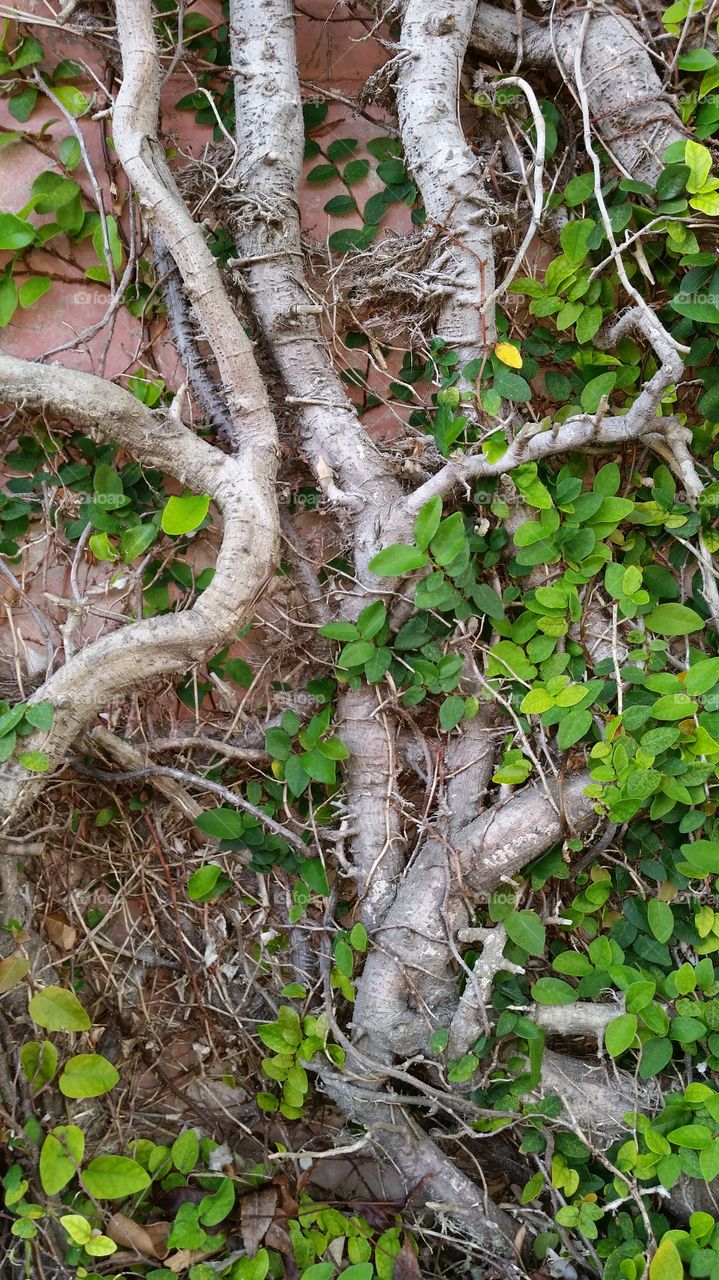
x=128, y=658
x=430, y=1177
x=633, y=116
x=448, y=173
x=265, y=217
x=378, y=846
x=409, y=987
x=135, y=135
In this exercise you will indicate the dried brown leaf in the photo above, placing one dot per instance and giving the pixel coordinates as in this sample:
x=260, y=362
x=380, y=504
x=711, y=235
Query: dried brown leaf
x=277, y=1238
x=62, y=934
x=257, y=1211
x=406, y=1266
x=150, y=1240
x=12, y=971
x=183, y=1259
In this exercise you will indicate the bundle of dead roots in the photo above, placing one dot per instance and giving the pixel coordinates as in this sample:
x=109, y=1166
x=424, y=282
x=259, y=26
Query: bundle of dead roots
x=395, y=286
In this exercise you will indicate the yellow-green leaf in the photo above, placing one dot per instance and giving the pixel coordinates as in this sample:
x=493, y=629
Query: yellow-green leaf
x=666, y=1263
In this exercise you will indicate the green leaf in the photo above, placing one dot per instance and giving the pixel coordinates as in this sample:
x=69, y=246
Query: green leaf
x=40, y=714
x=449, y=539
x=451, y=712
x=553, y=991
x=356, y=653
x=53, y=193
x=532, y=1189
x=463, y=1069
x=427, y=522
x=579, y=190
x=573, y=727
x=185, y=513
x=693, y=1136
x=352, y=238
x=341, y=204
x=215, y=1208
x=574, y=238
x=709, y=1162
x=8, y=300
x=318, y=1271
x=33, y=289
x=30, y=51
x=70, y=153
x=656, y=1053
x=313, y=873
x=527, y=930
x=114, y=1178
x=703, y=855
x=372, y=619
x=113, y=240
x=9, y=719
x=702, y=677
x=57, y=1009
x=673, y=620
x=313, y=114
x=588, y=323
x=343, y=957
x=639, y=994
x=705, y=312
x=666, y=1263
x=22, y=105
x=72, y=99
x=60, y=1155
x=339, y=631
x=136, y=540
x=699, y=160
x=278, y=743
x=673, y=706
x=319, y=767
x=295, y=777
x=358, y=937
x=87, y=1075
x=696, y=60
x=223, y=824
x=102, y=548
x=294, y=991
x=185, y=1151
x=595, y=391
x=77, y=1227
x=355, y=171
x=15, y=233
x=38, y=1059
x=661, y=919
x=207, y=883
x=512, y=386
x=620, y=1033
x=396, y=560
x=488, y=601
x=439, y=1040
